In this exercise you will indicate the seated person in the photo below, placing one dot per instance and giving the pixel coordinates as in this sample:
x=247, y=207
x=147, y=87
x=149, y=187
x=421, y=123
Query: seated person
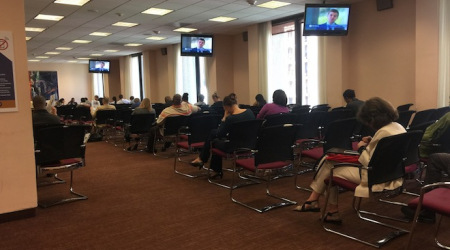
x=168, y=101
x=122, y=100
x=40, y=115
x=144, y=108
x=216, y=100
x=72, y=102
x=60, y=102
x=432, y=134
x=352, y=102
x=278, y=106
x=232, y=114
x=332, y=16
x=379, y=115
x=95, y=102
x=136, y=103
x=176, y=109
x=260, y=101
x=201, y=99
x=104, y=106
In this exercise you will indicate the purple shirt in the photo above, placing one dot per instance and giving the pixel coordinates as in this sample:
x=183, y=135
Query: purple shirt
x=271, y=109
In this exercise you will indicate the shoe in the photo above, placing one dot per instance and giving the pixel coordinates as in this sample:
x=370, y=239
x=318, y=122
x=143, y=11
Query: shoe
x=198, y=164
x=313, y=206
x=425, y=216
x=135, y=147
x=333, y=218
x=218, y=175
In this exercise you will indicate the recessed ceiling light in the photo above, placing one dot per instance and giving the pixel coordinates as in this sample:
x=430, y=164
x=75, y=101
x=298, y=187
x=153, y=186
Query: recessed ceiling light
x=34, y=29
x=27, y=38
x=100, y=34
x=125, y=24
x=185, y=30
x=49, y=17
x=42, y=57
x=63, y=48
x=52, y=53
x=83, y=58
x=111, y=50
x=72, y=61
x=96, y=54
x=132, y=44
x=156, y=11
x=72, y=2
x=222, y=19
x=157, y=38
x=34, y=60
x=81, y=41
x=273, y=4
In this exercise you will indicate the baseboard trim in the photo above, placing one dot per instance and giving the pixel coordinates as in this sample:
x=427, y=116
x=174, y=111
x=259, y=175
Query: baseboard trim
x=18, y=215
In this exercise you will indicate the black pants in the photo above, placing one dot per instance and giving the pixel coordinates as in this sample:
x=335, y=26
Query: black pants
x=437, y=163
x=216, y=161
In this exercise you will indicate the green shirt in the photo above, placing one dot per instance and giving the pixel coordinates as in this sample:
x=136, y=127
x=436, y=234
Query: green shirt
x=432, y=135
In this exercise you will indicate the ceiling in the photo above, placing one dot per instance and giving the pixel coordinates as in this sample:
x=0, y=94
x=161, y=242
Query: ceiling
x=99, y=15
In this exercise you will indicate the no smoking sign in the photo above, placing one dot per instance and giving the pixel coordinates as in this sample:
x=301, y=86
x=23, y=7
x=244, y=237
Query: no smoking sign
x=3, y=44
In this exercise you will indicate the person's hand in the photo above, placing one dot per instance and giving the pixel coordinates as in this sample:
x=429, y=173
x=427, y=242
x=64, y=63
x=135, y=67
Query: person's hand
x=362, y=143
x=53, y=111
x=367, y=139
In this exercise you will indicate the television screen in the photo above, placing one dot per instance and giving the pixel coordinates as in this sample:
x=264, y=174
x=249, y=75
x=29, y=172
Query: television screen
x=326, y=19
x=99, y=66
x=196, y=45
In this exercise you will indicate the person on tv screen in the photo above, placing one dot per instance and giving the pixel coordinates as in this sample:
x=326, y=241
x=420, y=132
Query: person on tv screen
x=200, y=49
x=100, y=67
x=332, y=16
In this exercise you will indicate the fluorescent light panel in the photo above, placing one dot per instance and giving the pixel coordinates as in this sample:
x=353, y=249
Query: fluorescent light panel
x=132, y=44
x=52, y=53
x=27, y=38
x=81, y=41
x=273, y=4
x=72, y=61
x=186, y=30
x=72, y=2
x=157, y=38
x=42, y=57
x=125, y=24
x=100, y=34
x=63, y=48
x=49, y=17
x=83, y=58
x=34, y=29
x=222, y=19
x=34, y=60
x=96, y=54
x=111, y=50
x=157, y=11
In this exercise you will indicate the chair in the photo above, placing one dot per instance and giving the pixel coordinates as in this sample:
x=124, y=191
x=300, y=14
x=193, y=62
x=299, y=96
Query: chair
x=273, y=152
x=105, y=119
x=122, y=119
x=82, y=115
x=404, y=117
x=320, y=108
x=198, y=129
x=422, y=117
x=66, y=112
x=60, y=149
x=404, y=107
x=311, y=123
x=138, y=127
x=242, y=135
x=439, y=113
x=437, y=200
x=335, y=115
x=171, y=129
x=386, y=165
x=300, y=110
x=280, y=119
x=421, y=127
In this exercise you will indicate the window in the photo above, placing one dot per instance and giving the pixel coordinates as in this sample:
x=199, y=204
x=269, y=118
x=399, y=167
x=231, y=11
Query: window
x=98, y=84
x=186, y=77
x=310, y=70
x=137, y=85
x=203, y=85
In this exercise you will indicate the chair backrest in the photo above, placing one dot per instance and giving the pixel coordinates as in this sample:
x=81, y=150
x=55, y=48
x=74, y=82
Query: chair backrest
x=412, y=153
x=320, y=108
x=59, y=142
x=275, y=144
x=65, y=111
x=339, y=134
x=310, y=128
x=404, y=107
x=173, y=123
x=404, y=117
x=82, y=113
x=300, y=110
x=335, y=115
x=244, y=134
x=280, y=119
x=124, y=115
x=141, y=123
x=440, y=112
x=200, y=126
x=422, y=126
x=101, y=116
x=122, y=106
x=422, y=117
x=387, y=162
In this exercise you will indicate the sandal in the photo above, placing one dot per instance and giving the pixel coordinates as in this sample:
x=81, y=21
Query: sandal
x=313, y=206
x=333, y=218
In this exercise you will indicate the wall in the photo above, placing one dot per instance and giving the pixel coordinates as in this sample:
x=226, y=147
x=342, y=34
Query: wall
x=114, y=84
x=241, y=69
x=17, y=168
x=74, y=79
x=224, y=65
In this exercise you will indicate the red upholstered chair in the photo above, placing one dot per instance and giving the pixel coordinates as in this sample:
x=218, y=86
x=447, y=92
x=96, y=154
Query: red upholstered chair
x=437, y=200
x=273, y=153
x=386, y=164
x=137, y=129
x=171, y=129
x=197, y=131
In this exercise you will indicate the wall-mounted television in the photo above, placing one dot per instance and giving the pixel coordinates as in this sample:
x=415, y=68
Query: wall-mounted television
x=99, y=66
x=326, y=19
x=196, y=45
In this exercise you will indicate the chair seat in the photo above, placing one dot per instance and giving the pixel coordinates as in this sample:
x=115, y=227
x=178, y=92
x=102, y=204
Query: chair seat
x=184, y=137
x=314, y=153
x=436, y=200
x=225, y=154
x=342, y=183
x=185, y=145
x=63, y=165
x=249, y=164
x=411, y=168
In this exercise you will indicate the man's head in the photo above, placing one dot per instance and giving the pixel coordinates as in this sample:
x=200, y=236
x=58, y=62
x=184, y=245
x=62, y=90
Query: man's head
x=201, y=98
x=215, y=97
x=131, y=98
x=201, y=42
x=185, y=97
x=167, y=99
x=120, y=97
x=96, y=97
x=39, y=102
x=102, y=64
x=176, y=99
x=332, y=15
x=349, y=95
x=105, y=100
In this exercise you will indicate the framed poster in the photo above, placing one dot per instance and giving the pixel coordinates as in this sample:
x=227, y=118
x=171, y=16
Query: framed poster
x=8, y=97
x=44, y=83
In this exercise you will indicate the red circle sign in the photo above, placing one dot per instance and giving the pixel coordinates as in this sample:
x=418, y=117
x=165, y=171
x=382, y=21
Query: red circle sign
x=3, y=44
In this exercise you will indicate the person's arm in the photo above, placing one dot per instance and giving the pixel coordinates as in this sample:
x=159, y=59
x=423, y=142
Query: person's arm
x=262, y=113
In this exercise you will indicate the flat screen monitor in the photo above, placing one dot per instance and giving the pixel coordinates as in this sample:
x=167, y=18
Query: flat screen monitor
x=326, y=19
x=196, y=45
x=99, y=66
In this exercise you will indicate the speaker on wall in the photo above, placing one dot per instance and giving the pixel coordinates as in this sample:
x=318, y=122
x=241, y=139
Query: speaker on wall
x=164, y=51
x=384, y=4
x=245, y=36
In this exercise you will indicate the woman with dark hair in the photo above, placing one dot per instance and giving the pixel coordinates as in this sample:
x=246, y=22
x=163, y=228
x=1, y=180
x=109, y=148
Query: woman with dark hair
x=379, y=115
x=231, y=115
x=278, y=105
x=114, y=100
x=260, y=101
